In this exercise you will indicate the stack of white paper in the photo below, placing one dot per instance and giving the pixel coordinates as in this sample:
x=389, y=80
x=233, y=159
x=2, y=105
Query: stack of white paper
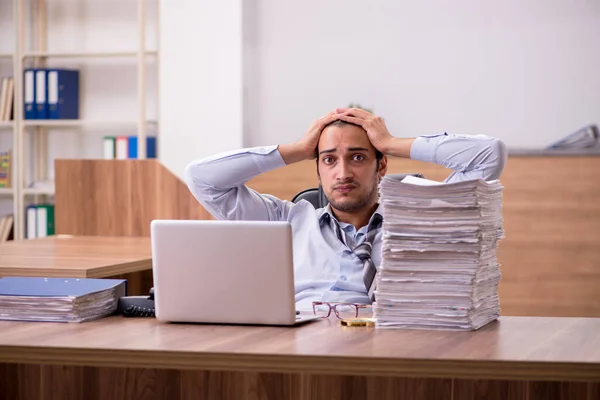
x=58, y=299
x=439, y=266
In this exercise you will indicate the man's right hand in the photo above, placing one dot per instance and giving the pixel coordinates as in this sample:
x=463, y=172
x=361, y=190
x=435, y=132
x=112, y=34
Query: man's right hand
x=310, y=140
x=304, y=149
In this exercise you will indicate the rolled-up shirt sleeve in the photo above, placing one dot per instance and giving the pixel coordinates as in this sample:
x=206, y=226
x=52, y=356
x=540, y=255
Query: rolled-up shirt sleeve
x=469, y=156
x=218, y=183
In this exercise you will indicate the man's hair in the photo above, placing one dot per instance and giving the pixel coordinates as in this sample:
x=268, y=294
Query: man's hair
x=340, y=123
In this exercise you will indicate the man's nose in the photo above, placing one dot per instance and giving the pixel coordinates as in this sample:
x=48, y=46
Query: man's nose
x=344, y=171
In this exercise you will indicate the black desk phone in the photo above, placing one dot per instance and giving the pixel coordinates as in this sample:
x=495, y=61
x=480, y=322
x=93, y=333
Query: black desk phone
x=137, y=306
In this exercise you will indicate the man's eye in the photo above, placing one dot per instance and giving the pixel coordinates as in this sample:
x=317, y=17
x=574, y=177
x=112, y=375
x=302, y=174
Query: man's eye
x=358, y=157
x=327, y=160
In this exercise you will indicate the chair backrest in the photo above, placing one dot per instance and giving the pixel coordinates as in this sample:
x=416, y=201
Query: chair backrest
x=316, y=197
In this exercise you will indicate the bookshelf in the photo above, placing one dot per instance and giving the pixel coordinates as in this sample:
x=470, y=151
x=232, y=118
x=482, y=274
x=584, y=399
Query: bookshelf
x=77, y=123
x=114, y=54
x=33, y=48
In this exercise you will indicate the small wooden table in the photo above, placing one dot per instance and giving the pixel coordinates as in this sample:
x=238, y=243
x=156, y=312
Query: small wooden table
x=81, y=257
x=126, y=358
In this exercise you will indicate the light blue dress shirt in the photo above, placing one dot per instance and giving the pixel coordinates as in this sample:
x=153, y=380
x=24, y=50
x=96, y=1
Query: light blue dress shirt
x=325, y=269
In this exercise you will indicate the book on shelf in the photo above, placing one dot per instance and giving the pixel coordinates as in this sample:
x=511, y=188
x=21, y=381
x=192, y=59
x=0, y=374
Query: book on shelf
x=7, y=93
x=59, y=299
x=39, y=220
x=51, y=93
x=6, y=227
x=6, y=169
x=126, y=147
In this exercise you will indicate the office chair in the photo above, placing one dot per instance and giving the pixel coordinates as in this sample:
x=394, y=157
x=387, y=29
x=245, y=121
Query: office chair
x=316, y=197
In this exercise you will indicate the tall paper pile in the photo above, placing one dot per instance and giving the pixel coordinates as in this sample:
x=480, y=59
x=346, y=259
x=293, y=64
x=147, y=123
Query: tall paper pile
x=439, y=266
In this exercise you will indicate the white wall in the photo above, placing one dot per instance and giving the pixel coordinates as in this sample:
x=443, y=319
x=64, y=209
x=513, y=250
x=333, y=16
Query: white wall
x=524, y=71
x=200, y=80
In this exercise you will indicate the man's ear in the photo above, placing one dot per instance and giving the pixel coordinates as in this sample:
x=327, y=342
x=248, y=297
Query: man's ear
x=382, y=170
x=318, y=174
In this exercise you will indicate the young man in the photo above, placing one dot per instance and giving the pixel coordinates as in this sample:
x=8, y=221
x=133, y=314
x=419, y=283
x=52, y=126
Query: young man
x=333, y=246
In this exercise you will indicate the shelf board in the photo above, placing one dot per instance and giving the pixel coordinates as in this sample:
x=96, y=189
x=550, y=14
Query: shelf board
x=6, y=124
x=6, y=192
x=6, y=55
x=63, y=123
x=85, y=54
x=38, y=191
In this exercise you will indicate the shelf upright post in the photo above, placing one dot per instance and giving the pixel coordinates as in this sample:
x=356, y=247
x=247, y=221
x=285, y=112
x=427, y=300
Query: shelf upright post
x=40, y=138
x=18, y=131
x=141, y=80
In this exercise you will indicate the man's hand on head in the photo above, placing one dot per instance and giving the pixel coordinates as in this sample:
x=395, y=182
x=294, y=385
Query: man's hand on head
x=377, y=132
x=310, y=140
x=374, y=125
x=304, y=149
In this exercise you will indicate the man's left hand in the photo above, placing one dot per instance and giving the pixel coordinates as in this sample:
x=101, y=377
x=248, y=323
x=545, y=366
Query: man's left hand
x=374, y=125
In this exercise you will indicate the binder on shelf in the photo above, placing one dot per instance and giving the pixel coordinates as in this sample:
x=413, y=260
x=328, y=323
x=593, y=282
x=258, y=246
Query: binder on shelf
x=31, y=222
x=108, y=147
x=63, y=93
x=121, y=147
x=150, y=147
x=3, y=95
x=41, y=94
x=29, y=94
x=9, y=100
x=40, y=221
x=44, y=220
x=6, y=99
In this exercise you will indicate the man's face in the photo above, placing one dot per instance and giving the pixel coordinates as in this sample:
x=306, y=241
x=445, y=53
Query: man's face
x=348, y=169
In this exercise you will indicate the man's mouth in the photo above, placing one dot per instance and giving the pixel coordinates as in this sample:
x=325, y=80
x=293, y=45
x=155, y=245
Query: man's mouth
x=345, y=188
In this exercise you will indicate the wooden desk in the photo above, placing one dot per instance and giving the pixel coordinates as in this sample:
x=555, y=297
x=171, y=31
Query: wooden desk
x=81, y=257
x=120, y=358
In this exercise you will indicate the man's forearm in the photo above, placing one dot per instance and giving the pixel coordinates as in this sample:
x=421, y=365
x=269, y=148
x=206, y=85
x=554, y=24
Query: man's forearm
x=470, y=156
x=230, y=169
x=218, y=183
x=294, y=152
x=399, y=147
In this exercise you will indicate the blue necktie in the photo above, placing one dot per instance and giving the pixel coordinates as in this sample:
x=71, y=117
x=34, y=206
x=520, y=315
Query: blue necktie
x=363, y=252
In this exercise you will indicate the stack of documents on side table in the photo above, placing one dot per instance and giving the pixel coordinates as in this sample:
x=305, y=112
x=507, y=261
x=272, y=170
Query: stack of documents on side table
x=59, y=299
x=439, y=267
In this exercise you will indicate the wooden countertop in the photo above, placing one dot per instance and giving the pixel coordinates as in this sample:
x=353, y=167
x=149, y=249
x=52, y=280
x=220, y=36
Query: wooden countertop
x=535, y=348
x=75, y=256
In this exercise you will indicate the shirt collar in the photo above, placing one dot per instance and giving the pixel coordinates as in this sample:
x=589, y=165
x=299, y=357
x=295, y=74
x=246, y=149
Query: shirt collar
x=326, y=213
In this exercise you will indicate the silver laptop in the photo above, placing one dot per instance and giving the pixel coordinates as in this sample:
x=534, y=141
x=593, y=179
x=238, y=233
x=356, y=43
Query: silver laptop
x=231, y=272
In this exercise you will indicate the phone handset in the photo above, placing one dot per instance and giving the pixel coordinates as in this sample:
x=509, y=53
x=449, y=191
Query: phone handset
x=137, y=306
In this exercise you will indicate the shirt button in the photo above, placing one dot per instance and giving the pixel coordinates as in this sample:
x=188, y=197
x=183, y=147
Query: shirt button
x=343, y=277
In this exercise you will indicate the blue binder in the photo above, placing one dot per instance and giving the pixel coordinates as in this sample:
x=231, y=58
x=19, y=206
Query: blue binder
x=41, y=94
x=63, y=93
x=57, y=287
x=150, y=147
x=29, y=93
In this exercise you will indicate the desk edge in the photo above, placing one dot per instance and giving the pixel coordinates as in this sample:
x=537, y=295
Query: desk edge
x=469, y=369
x=120, y=269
